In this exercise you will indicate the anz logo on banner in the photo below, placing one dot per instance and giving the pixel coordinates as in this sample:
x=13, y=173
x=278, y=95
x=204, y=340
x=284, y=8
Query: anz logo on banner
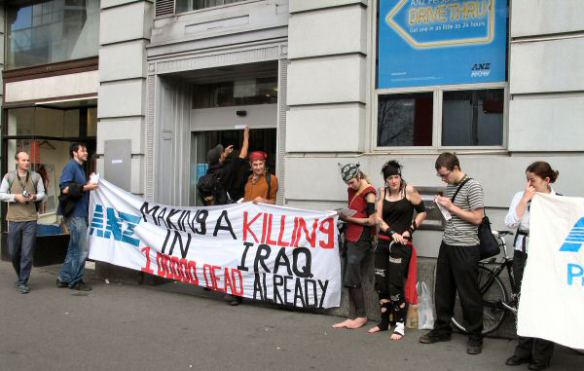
x=573, y=244
x=113, y=224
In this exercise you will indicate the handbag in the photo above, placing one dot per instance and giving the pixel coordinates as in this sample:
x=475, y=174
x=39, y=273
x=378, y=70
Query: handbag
x=488, y=244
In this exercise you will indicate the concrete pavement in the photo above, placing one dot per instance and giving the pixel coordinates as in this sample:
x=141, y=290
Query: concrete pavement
x=171, y=327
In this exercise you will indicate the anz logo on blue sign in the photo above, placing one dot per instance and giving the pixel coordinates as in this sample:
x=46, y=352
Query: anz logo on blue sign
x=112, y=223
x=573, y=244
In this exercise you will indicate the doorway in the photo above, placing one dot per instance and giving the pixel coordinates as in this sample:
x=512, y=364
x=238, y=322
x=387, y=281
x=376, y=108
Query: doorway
x=203, y=141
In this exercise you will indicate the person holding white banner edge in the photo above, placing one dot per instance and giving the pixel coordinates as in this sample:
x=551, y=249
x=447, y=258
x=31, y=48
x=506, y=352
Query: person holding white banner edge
x=74, y=206
x=540, y=176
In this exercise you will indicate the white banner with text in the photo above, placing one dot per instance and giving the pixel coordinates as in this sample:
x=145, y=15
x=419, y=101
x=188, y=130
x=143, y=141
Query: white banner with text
x=269, y=253
x=552, y=294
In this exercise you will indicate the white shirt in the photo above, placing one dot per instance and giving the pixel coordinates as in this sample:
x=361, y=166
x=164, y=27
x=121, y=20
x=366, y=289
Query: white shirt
x=513, y=221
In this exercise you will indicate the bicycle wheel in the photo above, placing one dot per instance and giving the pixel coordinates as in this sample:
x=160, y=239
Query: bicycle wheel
x=493, y=293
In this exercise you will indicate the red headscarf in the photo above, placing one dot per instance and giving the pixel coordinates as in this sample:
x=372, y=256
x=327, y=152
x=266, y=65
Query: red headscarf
x=258, y=155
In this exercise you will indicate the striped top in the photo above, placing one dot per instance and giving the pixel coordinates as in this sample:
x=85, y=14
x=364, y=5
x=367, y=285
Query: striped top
x=459, y=232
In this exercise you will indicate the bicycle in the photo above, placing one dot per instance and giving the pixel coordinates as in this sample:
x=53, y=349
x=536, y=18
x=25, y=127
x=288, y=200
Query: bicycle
x=497, y=300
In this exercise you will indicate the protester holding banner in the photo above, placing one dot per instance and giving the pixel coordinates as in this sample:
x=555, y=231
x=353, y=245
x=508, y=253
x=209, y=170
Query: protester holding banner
x=458, y=257
x=358, y=236
x=74, y=205
x=395, y=217
x=22, y=189
x=261, y=186
x=540, y=176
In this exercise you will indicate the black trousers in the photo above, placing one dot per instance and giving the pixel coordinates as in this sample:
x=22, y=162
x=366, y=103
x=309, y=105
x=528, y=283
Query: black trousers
x=533, y=349
x=392, y=261
x=457, y=270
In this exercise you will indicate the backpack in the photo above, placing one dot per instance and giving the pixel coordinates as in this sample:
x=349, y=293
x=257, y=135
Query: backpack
x=35, y=177
x=211, y=189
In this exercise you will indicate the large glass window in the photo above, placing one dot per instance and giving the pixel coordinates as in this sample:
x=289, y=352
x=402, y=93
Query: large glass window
x=51, y=31
x=188, y=5
x=405, y=120
x=472, y=118
x=46, y=133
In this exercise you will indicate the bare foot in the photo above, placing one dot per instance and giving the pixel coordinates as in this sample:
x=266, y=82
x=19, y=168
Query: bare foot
x=342, y=324
x=395, y=336
x=374, y=329
x=357, y=323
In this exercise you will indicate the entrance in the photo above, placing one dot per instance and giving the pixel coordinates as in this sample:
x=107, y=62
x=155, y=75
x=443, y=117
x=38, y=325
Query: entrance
x=203, y=141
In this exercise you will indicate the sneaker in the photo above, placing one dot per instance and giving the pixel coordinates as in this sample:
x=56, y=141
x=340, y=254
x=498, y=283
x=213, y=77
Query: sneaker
x=81, y=286
x=474, y=346
x=62, y=284
x=434, y=337
x=24, y=289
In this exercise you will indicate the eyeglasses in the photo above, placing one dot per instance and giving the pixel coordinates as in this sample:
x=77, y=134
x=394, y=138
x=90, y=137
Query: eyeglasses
x=438, y=174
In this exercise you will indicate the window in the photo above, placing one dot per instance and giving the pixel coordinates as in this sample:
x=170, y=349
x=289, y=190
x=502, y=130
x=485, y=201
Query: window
x=236, y=93
x=405, y=120
x=472, y=118
x=188, y=5
x=51, y=31
x=456, y=118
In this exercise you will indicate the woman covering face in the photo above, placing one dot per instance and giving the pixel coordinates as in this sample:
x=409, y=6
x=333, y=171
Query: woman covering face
x=539, y=176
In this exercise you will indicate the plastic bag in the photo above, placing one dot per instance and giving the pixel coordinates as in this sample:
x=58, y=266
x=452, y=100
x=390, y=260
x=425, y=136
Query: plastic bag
x=426, y=308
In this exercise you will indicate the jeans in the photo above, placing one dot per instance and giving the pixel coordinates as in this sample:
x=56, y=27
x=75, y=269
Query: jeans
x=74, y=267
x=21, y=241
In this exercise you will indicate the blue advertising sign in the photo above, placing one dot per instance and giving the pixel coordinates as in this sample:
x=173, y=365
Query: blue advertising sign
x=439, y=42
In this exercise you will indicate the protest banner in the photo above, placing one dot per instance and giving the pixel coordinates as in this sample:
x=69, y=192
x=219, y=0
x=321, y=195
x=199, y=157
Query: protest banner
x=264, y=252
x=552, y=293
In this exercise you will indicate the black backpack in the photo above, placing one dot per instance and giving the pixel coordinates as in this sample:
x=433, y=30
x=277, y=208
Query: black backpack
x=211, y=189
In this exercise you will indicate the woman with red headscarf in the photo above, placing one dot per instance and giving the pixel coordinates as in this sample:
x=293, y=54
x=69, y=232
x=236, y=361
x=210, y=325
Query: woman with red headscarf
x=261, y=185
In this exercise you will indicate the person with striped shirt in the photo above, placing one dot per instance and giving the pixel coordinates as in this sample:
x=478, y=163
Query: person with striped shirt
x=458, y=257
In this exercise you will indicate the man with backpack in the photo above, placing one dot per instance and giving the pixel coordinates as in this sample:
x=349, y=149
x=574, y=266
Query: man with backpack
x=221, y=186
x=22, y=189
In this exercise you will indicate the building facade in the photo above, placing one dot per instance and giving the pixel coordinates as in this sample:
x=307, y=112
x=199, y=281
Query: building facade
x=332, y=106
x=318, y=82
